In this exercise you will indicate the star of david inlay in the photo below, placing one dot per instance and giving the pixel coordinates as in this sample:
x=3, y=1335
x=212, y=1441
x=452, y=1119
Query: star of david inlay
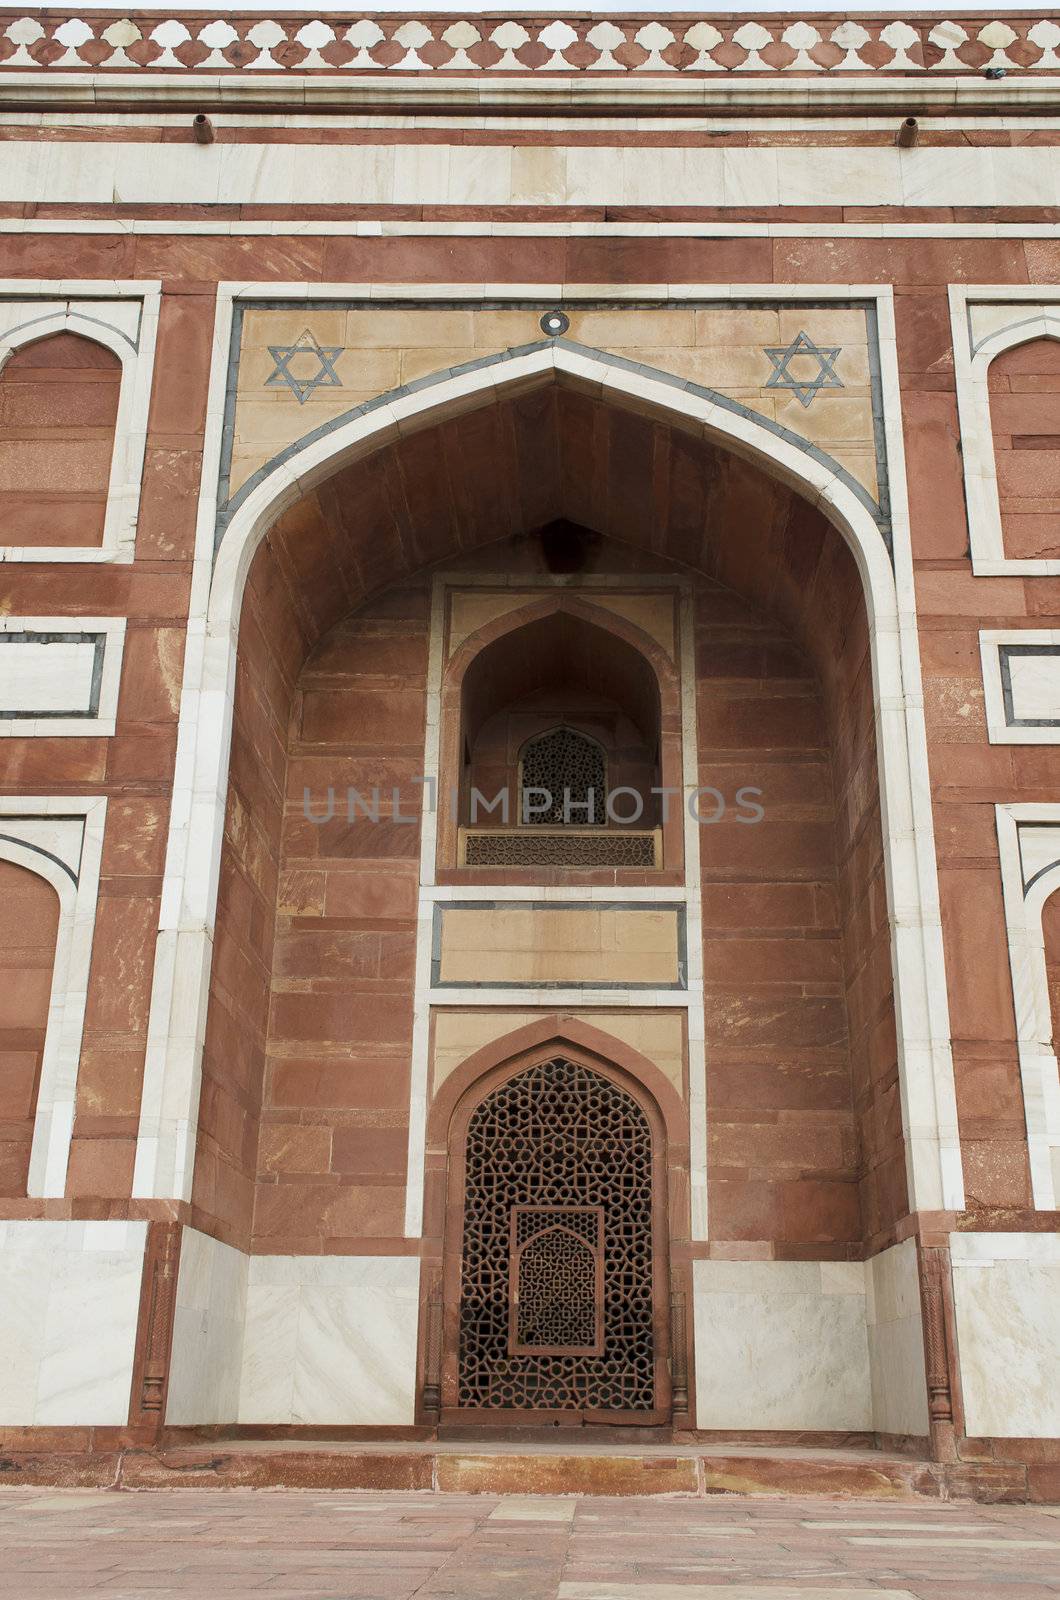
x=804, y=389
x=324, y=377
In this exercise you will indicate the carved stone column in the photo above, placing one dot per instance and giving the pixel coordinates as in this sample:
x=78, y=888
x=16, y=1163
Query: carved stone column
x=936, y=1303
x=154, y=1332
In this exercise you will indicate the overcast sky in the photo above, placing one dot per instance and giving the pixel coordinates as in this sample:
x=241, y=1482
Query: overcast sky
x=796, y=8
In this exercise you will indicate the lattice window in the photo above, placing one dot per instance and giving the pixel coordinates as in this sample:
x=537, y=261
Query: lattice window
x=563, y=764
x=562, y=1139
x=556, y=1281
x=612, y=847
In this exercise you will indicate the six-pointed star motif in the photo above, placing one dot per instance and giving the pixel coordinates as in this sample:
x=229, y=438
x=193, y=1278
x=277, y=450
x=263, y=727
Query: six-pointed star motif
x=324, y=377
x=804, y=389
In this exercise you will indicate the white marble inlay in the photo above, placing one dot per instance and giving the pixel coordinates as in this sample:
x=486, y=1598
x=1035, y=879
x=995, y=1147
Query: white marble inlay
x=1006, y=1292
x=125, y=172
x=59, y=676
x=781, y=1345
x=1021, y=684
x=69, y=1300
x=46, y=677
x=1035, y=681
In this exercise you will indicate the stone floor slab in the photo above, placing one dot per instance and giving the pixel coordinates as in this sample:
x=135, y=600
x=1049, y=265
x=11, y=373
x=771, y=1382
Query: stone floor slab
x=283, y=1544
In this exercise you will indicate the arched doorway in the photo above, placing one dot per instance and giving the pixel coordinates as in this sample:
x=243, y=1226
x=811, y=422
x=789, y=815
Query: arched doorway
x=555, y=1252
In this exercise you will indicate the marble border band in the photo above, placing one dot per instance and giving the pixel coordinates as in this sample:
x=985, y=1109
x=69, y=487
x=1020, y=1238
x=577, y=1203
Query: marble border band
x=90, y=711
x=377, y=228
x=87, y=172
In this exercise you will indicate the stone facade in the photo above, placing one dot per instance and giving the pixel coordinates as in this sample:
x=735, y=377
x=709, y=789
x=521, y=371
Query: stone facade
x=352, y=438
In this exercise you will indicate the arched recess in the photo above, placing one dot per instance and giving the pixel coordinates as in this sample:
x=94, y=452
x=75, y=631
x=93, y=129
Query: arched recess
x=1024, y=384
x=977, y=374
x=93, y=427
x=28, y=934
x=58, y=409
x=1029, y=842
x=645, y=684
x=469, y=1091
x=699, y=428
x=52, y=1107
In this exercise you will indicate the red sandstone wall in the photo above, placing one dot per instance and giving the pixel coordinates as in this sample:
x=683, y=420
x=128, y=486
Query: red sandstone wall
x=334, y=1126
x=29, y=921
x=271, y=641
x=968, y=775
x=783, y=1155
x=134, y=769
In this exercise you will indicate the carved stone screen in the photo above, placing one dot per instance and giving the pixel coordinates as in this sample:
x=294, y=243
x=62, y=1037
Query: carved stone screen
x=555, y=1280
x=566, y=847
x=563, y=764
x=561, y=1137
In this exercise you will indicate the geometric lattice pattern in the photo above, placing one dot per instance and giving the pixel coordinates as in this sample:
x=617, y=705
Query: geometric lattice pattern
x=556, y=1258
x=563, y=765
x=574, y=848
x=558, y=1135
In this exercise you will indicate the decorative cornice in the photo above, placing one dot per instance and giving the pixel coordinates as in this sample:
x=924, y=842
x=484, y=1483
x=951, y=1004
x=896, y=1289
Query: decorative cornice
x=480, y=46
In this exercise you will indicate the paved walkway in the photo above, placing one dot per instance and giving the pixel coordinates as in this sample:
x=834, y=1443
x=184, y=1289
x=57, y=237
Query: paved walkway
x=302, y=1545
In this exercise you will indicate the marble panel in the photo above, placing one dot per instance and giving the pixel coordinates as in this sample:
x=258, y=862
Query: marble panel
x=1006, y=1291
x=69, y=1301
x=330, y=1340
x=207, y=1332
x=46, y=677
x=896, y=1342
x=781, y=1344
x=1035, y=681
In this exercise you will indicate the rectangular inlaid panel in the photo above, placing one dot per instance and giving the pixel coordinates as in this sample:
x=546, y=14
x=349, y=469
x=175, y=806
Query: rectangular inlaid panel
x=39, y=679
x=808, y=370
x=634, y=947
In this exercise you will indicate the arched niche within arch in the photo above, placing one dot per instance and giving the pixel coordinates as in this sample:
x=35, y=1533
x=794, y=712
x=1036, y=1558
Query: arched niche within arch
x=59, y=401
x=745, y=510
x=29, y=929
x=1024, y=385
x=560, y=660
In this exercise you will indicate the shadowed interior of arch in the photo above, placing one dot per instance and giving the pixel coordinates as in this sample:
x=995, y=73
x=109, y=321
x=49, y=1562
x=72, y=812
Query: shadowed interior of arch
x=304, y=1113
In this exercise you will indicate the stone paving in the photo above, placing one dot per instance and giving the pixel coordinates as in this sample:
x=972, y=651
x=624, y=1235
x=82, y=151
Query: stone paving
x=301, y=1545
